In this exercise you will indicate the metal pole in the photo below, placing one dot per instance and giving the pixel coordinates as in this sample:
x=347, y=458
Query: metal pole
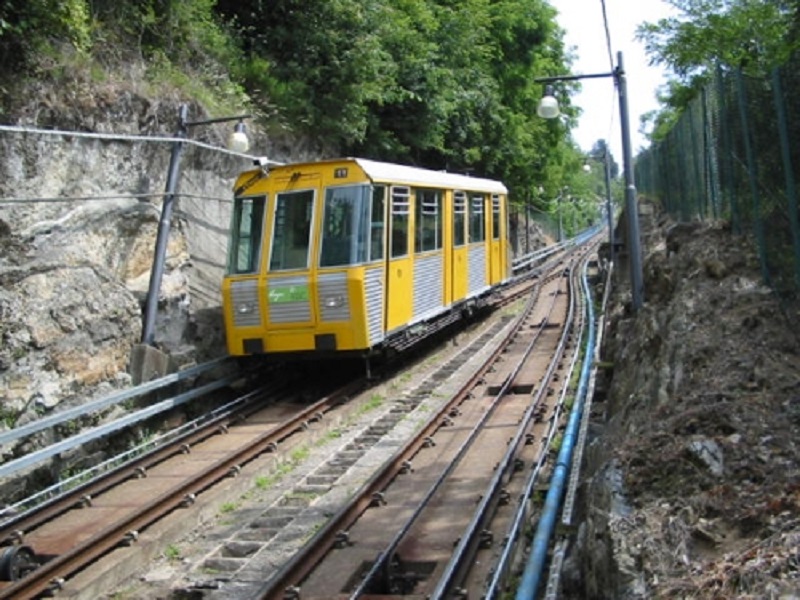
x=527, y=225
x=560, y=219
x=752, y=179
x=609, y=211
x=631, y=209
x=788, y=170
x=162, y=238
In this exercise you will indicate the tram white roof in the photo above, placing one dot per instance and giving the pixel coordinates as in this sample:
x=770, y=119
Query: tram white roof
x=389, y=172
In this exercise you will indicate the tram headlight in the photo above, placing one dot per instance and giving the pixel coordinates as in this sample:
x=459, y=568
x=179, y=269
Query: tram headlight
x=333, y=301
x=245, y=308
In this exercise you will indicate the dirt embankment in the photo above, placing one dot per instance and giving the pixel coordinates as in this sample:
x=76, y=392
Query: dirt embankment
x=695, y=477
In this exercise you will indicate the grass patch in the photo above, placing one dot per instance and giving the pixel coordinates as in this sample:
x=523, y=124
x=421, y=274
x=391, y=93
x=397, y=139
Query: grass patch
x=264, y=482
x=375, y=401
x=172, y=552
x=334, y=434
x=300, y=454
x=8, y=418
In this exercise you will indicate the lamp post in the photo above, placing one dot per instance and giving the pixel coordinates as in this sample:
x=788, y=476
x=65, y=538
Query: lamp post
x=609, y=210
x=609, y=206
x=548, y=109
x=237, y=142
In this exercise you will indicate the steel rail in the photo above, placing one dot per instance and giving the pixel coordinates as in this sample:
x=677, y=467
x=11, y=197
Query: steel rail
x=304, y=561
x=110, y=400
x=513, y=534
x=103, y=430
x=13, y=530
x=384, y=559
x=468, y=542
x=50, y=574
x=302, y=564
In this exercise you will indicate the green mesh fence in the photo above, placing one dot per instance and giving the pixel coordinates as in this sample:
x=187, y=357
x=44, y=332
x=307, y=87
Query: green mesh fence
x=531, y=229
x=734, y=155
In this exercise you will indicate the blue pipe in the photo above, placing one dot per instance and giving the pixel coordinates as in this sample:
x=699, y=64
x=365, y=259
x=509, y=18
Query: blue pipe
x=541, y=541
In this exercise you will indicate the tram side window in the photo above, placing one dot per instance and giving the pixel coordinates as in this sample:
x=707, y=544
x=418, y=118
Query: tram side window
x=246, y=231
x=428, y=220
x=401, y=201
x=477, y=226
x=459, y=218
x=345, y=225
x=495, y=217
x=291, y=236
x=378, y=225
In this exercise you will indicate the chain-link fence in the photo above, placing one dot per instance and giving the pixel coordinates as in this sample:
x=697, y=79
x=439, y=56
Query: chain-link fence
x=734, y=155
x=531, y=229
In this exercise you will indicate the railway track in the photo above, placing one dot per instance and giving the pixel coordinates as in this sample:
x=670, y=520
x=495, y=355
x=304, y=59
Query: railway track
x=41, y=549
x=68, y=545
x=435, y=519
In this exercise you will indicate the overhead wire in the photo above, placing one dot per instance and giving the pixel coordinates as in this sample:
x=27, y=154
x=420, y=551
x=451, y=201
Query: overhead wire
x=115, y=137
x=608, y=34
x=120, y=137
x=52, y=199
x=615, y=91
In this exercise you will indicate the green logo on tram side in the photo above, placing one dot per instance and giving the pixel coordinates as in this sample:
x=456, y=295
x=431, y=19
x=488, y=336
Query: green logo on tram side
x=288, y=293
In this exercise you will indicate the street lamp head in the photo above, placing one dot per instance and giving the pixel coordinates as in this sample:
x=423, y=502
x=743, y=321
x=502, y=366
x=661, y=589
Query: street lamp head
x=238, y=142
x=548, y=105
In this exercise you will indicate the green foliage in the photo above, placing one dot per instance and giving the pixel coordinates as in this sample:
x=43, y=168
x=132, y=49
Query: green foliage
x=441, y=83
x=183, y=45
x=300, y=454
x=751, y=34
x=706, y=34
x=438, y=83
x=8, y=417
x=320, y=68
x=555, y=443
x=30, y=26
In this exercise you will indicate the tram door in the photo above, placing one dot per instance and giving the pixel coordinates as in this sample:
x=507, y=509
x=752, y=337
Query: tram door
x=495, y=236
x=459, y=268
x=400, y=264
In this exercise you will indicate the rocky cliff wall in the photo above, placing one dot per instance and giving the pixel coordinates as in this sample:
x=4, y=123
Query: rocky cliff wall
x=78, y=221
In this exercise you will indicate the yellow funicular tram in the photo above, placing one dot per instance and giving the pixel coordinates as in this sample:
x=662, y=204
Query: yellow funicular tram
x=350, y=255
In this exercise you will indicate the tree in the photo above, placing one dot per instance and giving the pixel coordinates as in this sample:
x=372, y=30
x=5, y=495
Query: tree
x=441, y=83
x=752, y=34
x=598, y=155
x=27, y=26
x=318, y=69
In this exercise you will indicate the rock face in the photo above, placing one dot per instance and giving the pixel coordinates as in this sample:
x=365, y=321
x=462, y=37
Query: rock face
x=692, y=476
x=78, y=222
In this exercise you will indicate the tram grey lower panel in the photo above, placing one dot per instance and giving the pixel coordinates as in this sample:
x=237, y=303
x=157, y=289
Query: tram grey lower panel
x=428, y=285
x=477, y=269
